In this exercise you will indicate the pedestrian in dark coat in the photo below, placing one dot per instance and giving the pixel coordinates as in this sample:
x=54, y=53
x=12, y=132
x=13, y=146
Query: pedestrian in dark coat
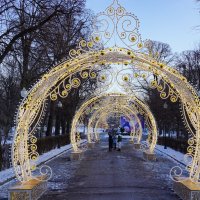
x=114, y=141
x=110, y=141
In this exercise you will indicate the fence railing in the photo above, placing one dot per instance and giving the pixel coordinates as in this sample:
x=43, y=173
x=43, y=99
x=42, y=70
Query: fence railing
x=178, y=145
x=43, y=145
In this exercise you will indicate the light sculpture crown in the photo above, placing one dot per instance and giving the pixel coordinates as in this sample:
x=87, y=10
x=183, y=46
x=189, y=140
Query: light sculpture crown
x=116, y=25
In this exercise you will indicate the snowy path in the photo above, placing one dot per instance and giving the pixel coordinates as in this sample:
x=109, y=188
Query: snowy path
x=64, y=169
x=7, y=177
x=103, y=175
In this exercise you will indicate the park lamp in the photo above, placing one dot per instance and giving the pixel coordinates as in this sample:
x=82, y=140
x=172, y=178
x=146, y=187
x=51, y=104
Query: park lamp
x=59, y=104
x=165, y=106
x=45, y=128
x=198, y=93
x=23, y=92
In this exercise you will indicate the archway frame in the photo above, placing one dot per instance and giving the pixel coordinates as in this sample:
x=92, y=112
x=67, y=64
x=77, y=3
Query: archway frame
x=133, y=130
x=34, y=103
x=114, y=109
x=135, y=104
x=53, y=85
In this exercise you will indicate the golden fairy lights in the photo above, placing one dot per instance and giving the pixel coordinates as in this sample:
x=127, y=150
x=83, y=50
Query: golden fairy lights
x=115, y=102
x=60, y=80
x=105, y=111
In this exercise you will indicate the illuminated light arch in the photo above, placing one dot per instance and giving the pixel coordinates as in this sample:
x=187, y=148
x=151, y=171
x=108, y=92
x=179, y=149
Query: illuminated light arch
x=53, y=85
x=106, y=115
x=134, y=104
x=35, y=101
x=103, y=116
x=124, y=109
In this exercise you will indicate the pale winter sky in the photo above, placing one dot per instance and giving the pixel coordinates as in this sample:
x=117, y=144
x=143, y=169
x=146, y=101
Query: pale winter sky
x=170, y=21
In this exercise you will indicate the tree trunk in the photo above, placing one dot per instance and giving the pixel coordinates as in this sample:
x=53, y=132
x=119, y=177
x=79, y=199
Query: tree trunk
x=63, y=125
x=1, y=155
x=50, y=121
x=57, y=126
x=178, y=134
x=69, y=120
x=68, y=129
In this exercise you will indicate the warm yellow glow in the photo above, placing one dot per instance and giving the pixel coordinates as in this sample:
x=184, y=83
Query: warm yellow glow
x=115, y=101
x=58, y=82
x=103, y=112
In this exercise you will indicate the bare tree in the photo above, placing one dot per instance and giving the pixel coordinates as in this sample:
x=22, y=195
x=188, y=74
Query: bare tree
x=19, y=18
x=34, y=35
x=160, y=51
x=189, y=65
x=63, y=116
x=37, y=51
x=9, y=92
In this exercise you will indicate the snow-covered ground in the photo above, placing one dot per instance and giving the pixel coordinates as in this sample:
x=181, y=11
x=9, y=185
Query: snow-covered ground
x=8, y=174
x=123, y=136
x=171, y=153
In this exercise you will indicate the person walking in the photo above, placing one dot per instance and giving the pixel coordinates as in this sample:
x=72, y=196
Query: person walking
x=114, y=141
x=110, y=141
x=119, y=142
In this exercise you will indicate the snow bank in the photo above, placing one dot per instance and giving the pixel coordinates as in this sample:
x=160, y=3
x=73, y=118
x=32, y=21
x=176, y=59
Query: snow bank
x=175, y=155
x=9, y=174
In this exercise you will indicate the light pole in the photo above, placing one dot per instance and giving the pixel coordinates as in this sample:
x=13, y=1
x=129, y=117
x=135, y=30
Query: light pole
x=45, y=130
x=59, y=105
x=165, y=106
x=23, y=92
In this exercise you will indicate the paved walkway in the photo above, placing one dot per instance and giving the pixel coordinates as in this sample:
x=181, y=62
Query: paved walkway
x=103, y=175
